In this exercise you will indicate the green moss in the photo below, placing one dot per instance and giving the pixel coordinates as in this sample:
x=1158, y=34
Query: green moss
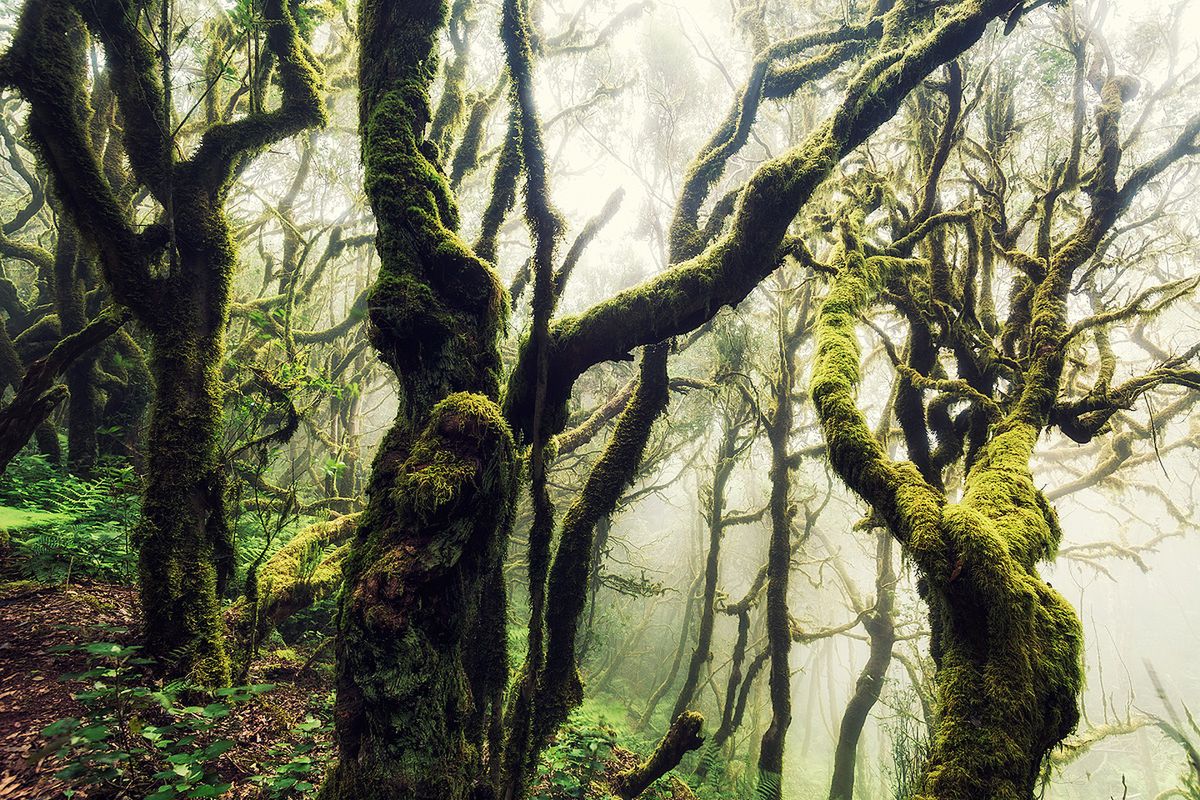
x=303, y=571
x=12, y=519
x=1007, y=645
x=436, y=524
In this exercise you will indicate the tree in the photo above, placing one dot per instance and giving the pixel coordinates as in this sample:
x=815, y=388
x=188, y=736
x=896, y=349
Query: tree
x=1007, y=644
x=421, y=578
x=173, y=274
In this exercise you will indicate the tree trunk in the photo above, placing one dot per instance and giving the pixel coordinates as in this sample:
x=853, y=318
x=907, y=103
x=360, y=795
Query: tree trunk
x=685, y=630
x=700, y=655
x=83, y=405
x=713, y=747
x=184, y=550
x=1006, y=644
x=126, y=406
x=420, y=577
x=779, y=567
x=882, y=633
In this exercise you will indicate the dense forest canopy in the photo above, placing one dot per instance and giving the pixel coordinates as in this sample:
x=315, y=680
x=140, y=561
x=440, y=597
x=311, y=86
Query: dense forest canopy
x=481, y=399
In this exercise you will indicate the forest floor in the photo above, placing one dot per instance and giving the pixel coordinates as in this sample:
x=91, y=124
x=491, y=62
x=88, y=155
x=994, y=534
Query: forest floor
x=34, y=619
x=278, y=735
x=41, y=628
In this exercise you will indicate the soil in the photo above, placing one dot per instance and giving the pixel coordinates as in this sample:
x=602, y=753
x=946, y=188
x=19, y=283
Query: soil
x=34, y=619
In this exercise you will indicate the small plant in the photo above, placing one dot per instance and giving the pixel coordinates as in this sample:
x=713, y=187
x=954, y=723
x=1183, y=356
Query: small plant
x=910, y=749
x=298, y=760
x=577, y=757
x=133, y=737
x=77, y=527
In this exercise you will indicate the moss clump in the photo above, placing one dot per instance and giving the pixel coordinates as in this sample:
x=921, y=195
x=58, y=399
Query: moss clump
x=437, y=523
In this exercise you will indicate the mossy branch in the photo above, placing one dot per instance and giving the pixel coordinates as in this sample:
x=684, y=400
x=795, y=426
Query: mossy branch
x=682, y=737
x=300, y=573
x=48, y=60
x=1139, y=306
x=300, y=105
x=690, y=293
x=37, y=395
x=765, y=82
x=895, y=490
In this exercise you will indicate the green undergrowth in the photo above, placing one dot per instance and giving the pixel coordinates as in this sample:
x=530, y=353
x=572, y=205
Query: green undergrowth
x=60, y=526
x=133, y=738
x=137, y=737
x=596, y=742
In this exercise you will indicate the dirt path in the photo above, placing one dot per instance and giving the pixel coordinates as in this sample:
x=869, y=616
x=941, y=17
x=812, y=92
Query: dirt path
x=33, y=620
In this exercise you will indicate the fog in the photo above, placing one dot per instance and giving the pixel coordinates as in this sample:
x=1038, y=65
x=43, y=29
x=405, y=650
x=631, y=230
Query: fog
x=966, y=202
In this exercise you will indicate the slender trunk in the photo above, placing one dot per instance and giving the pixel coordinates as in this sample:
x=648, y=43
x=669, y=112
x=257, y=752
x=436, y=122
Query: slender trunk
x=685, y=628
x=83, y=405
x=712, y=748
x=126, y=405
x=882, y=633
x=700, y=655
x=46, y=436
x=599, y=542
x=779, y=566
x=83, y=416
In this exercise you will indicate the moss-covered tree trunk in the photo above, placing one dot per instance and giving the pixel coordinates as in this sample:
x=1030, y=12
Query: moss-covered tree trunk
x=185, y=551
x=725, y=462
x=443, y=481
x=83, y=404
x=126, y=405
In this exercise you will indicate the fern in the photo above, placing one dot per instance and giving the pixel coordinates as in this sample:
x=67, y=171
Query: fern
x=76, y=527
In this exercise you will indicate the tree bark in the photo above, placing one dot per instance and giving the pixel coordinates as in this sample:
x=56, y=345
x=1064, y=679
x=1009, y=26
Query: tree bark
x=882, y=633
x=185, y=550
x=83, y=405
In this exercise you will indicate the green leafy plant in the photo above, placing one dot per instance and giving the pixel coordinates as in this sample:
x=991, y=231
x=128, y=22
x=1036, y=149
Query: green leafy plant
x=298, y=761
x=576, y=758
x=134, y=737
x=80, y=527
